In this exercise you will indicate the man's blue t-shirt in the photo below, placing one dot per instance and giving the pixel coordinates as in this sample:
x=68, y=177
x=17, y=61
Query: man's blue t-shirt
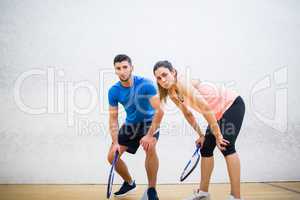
x=135, y=99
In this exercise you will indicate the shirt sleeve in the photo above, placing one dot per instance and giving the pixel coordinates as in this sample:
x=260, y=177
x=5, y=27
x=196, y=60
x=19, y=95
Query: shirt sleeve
x=112, y=97
x=150, y=89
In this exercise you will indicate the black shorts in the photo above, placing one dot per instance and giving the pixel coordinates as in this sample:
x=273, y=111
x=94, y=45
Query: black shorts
x=131, y=134
x=230, y=125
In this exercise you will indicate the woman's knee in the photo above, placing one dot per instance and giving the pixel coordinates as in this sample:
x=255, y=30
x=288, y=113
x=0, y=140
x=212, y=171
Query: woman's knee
x=229, y=150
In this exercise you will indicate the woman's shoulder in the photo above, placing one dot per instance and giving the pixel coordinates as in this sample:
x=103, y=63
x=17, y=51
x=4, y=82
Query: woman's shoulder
x=185, y=82
x=195, y=82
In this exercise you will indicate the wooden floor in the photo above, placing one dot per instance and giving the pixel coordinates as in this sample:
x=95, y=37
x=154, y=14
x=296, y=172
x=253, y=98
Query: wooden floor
x=250, y=191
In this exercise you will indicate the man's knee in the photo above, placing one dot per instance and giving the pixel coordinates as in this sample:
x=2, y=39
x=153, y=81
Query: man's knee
x=111, y=153
x=110, y=157
x=151, y=151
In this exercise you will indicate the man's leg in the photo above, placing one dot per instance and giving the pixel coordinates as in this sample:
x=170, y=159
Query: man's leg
x=151, y=165
x=120, y=167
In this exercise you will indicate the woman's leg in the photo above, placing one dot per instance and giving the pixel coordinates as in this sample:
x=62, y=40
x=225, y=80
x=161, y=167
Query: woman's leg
x=231, y=123
x=207, y=160
x=207, y=166
x=234, y=172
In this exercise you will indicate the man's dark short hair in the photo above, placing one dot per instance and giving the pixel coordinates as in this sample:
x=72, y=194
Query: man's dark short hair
x=121, y=58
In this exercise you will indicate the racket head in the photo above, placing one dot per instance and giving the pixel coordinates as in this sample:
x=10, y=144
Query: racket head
x=111, y=176
x=191, y=165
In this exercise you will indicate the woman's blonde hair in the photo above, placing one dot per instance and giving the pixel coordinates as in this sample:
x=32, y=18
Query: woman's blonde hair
x=163, y=93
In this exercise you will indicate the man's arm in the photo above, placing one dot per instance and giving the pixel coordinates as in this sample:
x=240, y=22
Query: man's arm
x=148, y=141
x=159, y=113
x=113, y=123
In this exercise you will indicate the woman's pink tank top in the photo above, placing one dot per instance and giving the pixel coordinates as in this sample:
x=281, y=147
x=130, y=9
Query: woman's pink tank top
x=219, y=99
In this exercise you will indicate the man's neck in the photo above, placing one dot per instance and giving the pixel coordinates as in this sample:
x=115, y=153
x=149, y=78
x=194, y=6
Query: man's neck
x=127, y=83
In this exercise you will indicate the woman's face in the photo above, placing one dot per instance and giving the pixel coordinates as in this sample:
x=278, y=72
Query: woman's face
x=164, y=77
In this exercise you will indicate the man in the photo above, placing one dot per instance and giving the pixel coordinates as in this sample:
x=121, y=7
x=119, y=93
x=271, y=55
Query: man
x=139, y=98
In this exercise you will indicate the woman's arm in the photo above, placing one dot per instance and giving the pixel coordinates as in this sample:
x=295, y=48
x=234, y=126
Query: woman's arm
x=188, y=116
x=197, y=100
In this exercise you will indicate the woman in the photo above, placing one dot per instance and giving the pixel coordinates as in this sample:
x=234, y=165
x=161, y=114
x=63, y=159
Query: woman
x=220, y=107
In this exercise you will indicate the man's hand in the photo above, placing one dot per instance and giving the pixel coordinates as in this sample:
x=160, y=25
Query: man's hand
x=148, y=142
x=116, y=147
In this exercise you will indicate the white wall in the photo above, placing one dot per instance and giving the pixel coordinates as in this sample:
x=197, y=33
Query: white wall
x=53, y=125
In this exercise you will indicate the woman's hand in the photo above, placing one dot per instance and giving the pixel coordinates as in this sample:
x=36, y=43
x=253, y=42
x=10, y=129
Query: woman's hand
x=221, y=142
x=200, y=141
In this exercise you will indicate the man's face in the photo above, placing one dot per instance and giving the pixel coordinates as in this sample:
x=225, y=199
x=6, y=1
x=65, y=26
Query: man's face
x=123, y=70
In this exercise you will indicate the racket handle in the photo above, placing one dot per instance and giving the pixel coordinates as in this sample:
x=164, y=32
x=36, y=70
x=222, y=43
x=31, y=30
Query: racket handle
x=115, y=158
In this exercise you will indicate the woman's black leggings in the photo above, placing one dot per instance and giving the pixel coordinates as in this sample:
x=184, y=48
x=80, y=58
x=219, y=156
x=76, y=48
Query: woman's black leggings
x=230, y=125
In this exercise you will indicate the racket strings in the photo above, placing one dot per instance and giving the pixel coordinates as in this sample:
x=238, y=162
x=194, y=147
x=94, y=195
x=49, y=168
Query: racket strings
x=191, y=165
